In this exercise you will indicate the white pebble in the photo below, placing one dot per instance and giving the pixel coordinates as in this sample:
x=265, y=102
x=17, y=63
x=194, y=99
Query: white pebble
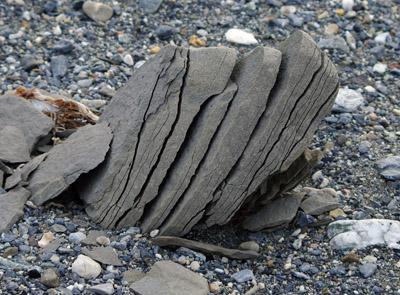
x=57, y=31
x=240, y=37
x=348, y=5
x=380, y=68
x=128, y=60
x=86, y=267
x=154, y=233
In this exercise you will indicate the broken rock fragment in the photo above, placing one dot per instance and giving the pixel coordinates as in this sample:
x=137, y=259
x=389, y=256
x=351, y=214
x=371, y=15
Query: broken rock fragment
x=318, y=201
x=20, y=113
x=13, y=145
x=167, y=278
x=81, y=152
x=11, y=207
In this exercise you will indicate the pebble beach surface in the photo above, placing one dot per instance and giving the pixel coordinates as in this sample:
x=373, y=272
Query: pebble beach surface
x=88, y=50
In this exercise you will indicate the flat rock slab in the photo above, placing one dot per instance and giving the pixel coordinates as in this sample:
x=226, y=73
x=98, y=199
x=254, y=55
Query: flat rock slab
x=19, y=112
x=363, y=233
x=13, y=145
x=389, y=168
x=279, y=212
x=11, y=207
x=105, y=255
x=318, y=201
x=205, y=248
x=169, y=278
x=150, y=6
x=80, y=153
x=196, y=133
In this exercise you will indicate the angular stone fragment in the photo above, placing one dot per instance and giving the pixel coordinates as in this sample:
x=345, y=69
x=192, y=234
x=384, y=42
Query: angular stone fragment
x=80, y=153
x=18, y=112
x=22, y=174
x=86, y=267
x=13, y=145
x=205, y=248
x=279, y=212
x=11, y=207
x=105, y=255
x=319, y=200
x=150, y=6
x=167, y=278
x=389, y=168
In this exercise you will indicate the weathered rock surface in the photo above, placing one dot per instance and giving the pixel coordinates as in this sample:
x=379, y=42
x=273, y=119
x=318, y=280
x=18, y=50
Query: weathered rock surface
x=80, y=153
x=389, y=167
x=169, y=278
x=205, y=248
x=197, y=133
x=363, y=233
x=86, y=267
x=11, y=207
x=33, y=123
x=98, y=12
x=279, y=212
x=13, y=145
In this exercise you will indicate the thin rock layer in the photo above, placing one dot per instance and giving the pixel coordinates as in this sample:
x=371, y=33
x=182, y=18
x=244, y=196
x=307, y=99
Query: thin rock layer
x=197, y=133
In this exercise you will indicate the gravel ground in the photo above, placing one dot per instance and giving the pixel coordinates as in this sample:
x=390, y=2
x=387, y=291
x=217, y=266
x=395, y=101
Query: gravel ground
x=55, y=46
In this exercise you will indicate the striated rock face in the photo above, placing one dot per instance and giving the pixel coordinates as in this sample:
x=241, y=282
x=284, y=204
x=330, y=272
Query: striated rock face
x=196, y=133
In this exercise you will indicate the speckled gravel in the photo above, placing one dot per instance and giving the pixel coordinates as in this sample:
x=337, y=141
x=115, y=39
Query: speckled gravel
x=55, y=46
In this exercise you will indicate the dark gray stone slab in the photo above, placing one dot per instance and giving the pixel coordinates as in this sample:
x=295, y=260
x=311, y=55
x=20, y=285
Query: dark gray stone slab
x=279, y=212
x=80, y=153
x=167, y=277
x=105, y=255
x=389, y=167
x=318, y=201
x=14, y=147
x=18, y=112
x=150, y=6
x=205, y=248
x=11, y=207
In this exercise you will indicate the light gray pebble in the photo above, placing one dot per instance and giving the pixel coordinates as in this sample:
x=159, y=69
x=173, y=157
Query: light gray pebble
x=243, y=276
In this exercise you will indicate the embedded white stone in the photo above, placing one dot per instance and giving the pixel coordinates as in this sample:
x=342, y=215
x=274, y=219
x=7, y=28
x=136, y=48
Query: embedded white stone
x=240, y=37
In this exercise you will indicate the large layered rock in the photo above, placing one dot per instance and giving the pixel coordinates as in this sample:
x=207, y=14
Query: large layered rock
x=197, y=133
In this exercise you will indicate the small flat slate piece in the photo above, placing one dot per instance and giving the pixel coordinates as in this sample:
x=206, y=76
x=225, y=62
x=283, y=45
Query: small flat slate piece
x=13, y=145
x=205, y=248
x=318, y=201
x=150, y=6
x=169, y=278
x=80, y=153
x=11, y=207
x=105, y=255
x=18, y=112
x=279, y=212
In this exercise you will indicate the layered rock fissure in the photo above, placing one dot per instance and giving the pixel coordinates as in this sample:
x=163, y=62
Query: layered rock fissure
x=254, y=81
x=289, y=87
x=130, y=199
x=293, y=144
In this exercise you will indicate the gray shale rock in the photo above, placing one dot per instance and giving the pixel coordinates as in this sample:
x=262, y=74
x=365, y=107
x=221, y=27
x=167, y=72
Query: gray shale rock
x=150, y=6
x=169, y=278
x=279, y=212
x=105, y=255
x=318, y=201
x=80, y=153
x=13, y=145
x=19, y=112
x=205, y=248
x=11, y=207
x=196, y=133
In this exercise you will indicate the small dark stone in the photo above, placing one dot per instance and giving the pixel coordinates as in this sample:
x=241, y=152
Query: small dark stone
x=34, y=274
x=28, y=62
x=50, y=7
x=63, y=47
x=164, y=32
